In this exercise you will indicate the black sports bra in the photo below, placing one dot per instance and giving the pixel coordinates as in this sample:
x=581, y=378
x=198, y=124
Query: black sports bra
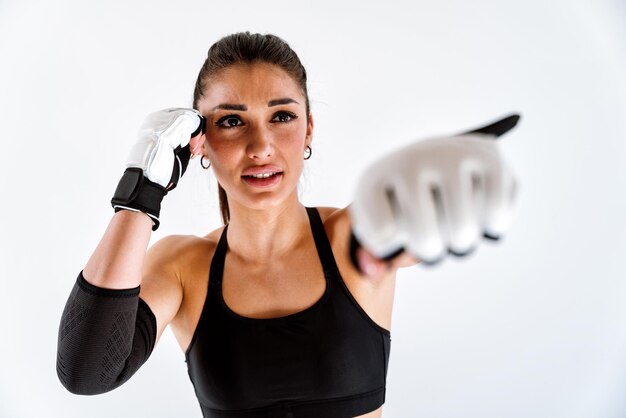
x=329, y=360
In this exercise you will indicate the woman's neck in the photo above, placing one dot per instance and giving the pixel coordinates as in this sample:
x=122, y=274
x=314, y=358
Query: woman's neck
x=261, y=235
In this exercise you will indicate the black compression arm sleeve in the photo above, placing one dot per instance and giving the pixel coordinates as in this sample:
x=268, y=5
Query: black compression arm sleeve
x=105, y=335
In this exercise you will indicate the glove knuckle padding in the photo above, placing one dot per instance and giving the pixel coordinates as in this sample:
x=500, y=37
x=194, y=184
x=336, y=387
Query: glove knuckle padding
x=463, y=197
x=459, y=218
x=500, y=198
x=419, y=211
x=160, y=164
x=433, y=195
x=375, y=222
x=161, y=133
x=179, y=131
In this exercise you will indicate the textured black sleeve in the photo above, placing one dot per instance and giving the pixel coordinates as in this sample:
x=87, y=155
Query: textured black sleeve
x=105, y=335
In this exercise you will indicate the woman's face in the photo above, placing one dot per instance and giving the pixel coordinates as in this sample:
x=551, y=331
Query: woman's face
x=256, y=134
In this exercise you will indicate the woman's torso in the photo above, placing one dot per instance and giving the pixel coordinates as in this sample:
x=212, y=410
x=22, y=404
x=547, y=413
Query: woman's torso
x=294, y=286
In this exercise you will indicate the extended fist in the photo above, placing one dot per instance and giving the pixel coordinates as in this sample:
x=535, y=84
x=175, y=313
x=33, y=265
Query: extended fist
x=434, y=197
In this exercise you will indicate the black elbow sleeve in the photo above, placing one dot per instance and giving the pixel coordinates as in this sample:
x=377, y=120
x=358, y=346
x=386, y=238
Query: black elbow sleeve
x=105, y=335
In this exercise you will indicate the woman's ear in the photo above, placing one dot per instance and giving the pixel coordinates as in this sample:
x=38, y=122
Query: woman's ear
x=197, y=145
x=309, y=131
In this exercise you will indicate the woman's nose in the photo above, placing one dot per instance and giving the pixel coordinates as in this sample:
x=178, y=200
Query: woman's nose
x=260, y=145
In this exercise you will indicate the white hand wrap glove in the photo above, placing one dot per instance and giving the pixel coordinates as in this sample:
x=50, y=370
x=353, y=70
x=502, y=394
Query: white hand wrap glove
x=435, y=196
x=160, y=135
x=157, y=160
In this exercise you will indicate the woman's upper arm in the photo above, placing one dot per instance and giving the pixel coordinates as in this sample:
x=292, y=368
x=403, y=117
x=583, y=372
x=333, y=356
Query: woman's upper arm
x=161, y=286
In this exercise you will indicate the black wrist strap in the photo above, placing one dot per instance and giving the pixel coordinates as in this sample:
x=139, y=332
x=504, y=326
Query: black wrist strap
x=135, y=192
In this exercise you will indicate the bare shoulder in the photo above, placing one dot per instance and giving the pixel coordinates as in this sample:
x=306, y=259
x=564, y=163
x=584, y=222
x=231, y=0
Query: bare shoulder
x=337, y=225
x=336, y=221
x=175, y=248
x=180, y=255
x=328, y=213
x=167, y=269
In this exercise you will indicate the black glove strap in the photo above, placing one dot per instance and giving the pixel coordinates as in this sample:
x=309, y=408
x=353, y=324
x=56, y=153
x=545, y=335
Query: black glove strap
x=134, y=191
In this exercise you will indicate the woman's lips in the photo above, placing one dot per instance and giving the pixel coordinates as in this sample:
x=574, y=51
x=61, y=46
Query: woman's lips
x=261, y=169
x=263, y=182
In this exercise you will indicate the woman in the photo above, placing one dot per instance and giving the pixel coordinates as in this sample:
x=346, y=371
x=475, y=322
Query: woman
x=271, y=312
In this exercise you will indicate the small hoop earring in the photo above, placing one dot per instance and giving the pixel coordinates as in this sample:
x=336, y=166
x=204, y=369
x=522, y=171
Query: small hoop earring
x=202, y=159
x=308, y=152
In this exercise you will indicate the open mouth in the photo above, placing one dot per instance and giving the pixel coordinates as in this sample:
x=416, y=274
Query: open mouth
x=263, y=176
x=263, y=179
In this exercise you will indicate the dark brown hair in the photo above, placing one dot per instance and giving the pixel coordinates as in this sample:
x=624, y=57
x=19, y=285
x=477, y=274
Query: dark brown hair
x=247, y=48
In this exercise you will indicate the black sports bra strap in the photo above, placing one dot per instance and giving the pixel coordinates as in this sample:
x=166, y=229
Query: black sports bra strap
x=217, y=263
x=322, y=243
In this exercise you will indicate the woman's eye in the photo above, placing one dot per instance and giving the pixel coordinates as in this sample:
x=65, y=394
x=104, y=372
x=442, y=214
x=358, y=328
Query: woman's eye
x=229, y=121
x=284, y=117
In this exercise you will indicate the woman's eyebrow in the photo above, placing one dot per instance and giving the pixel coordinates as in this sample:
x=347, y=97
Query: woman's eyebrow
x=282, y=101
x=229, y=106
x=242, y=107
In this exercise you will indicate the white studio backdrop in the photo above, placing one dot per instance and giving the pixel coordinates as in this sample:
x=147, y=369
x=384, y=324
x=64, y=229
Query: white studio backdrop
x=532, y=327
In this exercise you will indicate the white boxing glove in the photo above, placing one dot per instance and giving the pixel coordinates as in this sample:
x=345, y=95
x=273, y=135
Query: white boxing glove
x=157, y=160
x=161, y=137
x=435, y=196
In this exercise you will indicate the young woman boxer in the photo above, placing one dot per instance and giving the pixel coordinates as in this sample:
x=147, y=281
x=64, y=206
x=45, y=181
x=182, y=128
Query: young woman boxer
x=285, y=311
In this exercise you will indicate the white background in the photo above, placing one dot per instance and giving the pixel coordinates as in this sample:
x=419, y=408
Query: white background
x=532, y=327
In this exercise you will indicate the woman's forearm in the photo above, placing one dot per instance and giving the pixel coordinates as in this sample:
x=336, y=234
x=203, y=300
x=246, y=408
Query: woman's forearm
x=117, y=261
x=107, y=332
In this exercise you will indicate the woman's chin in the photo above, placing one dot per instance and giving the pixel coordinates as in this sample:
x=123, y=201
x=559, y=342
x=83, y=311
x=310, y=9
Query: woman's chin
x=260, y=198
